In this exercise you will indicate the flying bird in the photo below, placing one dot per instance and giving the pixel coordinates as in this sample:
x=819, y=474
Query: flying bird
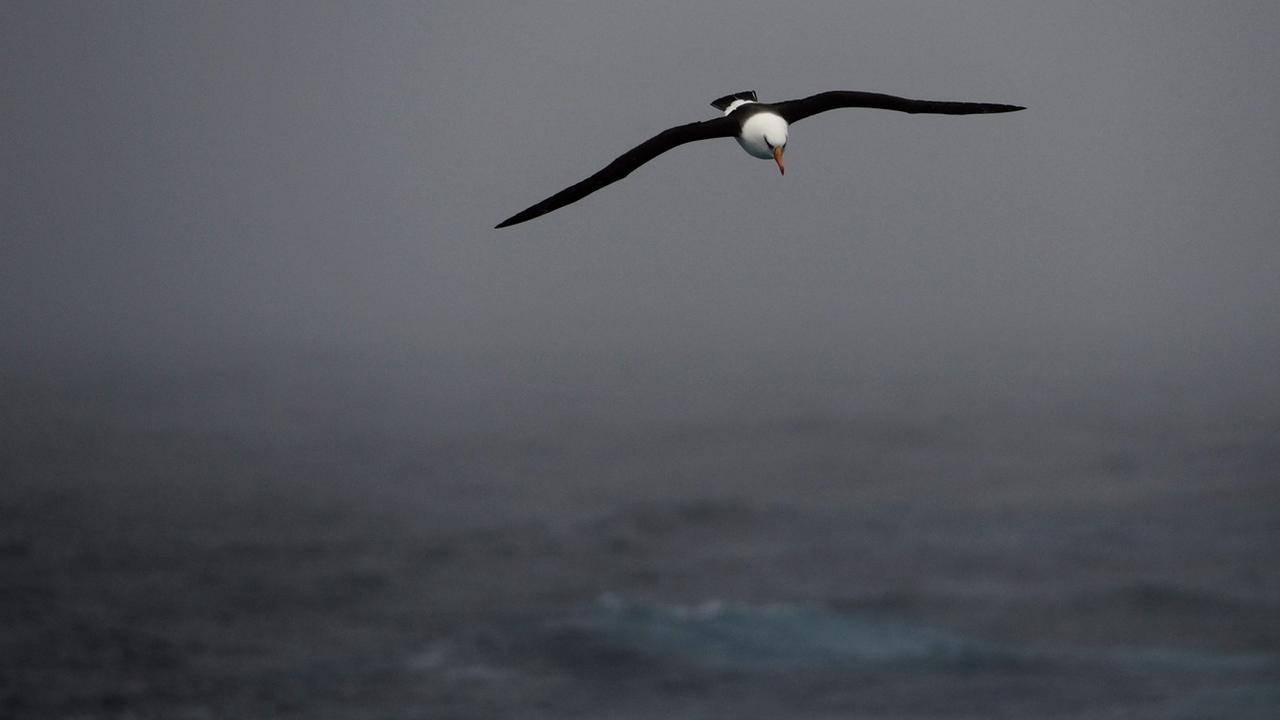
x=760, y=128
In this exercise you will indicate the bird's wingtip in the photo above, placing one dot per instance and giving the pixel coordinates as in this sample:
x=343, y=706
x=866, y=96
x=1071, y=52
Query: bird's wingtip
x=522, y=216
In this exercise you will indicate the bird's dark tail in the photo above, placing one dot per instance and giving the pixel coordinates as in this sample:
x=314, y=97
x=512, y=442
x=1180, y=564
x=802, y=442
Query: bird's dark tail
x=723, y=103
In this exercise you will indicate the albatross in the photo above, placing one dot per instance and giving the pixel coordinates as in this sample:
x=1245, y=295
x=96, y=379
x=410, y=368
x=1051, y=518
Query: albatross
x=760, y=128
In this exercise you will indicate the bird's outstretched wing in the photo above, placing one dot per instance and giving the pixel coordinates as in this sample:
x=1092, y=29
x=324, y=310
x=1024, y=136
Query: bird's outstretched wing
x=628, y=161
x=796, y=110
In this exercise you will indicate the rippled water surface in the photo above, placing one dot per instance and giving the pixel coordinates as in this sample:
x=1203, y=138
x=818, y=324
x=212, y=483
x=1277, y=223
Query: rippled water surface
x=239, y=547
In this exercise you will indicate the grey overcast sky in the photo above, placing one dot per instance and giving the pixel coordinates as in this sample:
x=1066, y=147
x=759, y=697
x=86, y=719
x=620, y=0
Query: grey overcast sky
x=187, y=180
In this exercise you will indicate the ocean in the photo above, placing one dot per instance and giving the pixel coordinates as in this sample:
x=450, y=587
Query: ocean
x=276, y=544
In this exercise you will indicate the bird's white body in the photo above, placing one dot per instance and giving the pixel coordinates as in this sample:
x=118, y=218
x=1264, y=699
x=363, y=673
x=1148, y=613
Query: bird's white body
x=762, y=133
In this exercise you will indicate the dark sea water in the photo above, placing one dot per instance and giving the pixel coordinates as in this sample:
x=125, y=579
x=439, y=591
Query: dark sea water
x=268, y=544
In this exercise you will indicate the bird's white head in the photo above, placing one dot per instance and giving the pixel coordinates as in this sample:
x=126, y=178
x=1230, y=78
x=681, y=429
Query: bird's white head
x=764, y=135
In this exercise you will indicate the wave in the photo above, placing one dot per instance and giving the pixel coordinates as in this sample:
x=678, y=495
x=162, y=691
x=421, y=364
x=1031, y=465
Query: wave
x=617, y=636
x=744, y=637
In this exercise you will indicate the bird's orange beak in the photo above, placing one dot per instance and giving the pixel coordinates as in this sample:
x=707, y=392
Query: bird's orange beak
x=777, y=157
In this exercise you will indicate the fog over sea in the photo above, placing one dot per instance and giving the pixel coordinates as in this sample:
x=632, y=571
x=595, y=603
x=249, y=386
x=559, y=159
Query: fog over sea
x=965, y=417
x=336, y=542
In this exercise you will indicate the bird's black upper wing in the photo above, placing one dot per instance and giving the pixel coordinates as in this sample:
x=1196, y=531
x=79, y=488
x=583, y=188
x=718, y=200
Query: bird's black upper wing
x=628, y=161
x=795, y=110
